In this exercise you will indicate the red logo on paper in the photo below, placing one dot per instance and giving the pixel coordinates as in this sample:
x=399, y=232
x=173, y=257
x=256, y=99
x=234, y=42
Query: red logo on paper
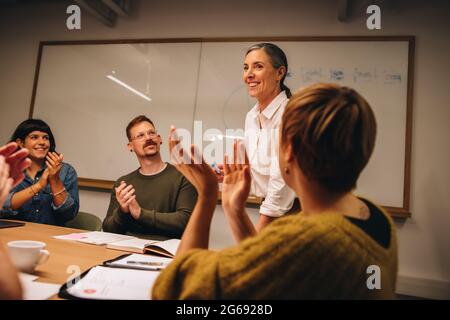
x=89, y=291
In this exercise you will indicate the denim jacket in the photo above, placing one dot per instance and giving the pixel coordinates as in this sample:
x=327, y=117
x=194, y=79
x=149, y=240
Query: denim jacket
x=41, y=208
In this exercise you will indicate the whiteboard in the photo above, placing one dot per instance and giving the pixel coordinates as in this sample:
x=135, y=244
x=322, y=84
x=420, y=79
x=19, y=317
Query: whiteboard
x=201, y=80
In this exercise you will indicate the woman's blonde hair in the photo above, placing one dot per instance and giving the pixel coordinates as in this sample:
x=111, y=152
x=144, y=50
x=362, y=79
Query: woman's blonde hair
x=332, y=131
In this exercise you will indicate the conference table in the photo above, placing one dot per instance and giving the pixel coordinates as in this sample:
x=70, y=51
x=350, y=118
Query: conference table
x=65, y=256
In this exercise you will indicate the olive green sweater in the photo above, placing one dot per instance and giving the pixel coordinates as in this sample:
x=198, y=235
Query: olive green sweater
x=296, y=257
x=166, y=198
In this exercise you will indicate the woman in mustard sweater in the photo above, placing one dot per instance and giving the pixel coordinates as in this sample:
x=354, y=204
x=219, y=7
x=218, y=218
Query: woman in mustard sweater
x=339, y=247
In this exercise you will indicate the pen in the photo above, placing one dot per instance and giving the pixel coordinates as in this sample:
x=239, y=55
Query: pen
x=155, y=264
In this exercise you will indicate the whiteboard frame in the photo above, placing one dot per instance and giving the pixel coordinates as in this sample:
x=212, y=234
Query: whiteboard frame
x=397, y=212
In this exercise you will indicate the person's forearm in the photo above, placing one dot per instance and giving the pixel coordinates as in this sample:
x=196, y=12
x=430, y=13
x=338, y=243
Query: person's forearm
x=25, y=195
x=263, y=221
x=114, y=222
x=9, y=280
x=240, y=224
x=171, y=223
x=59, y=194
x=196, y=234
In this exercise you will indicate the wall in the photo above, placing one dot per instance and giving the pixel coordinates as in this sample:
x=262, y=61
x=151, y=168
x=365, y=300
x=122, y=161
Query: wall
x=424, y=258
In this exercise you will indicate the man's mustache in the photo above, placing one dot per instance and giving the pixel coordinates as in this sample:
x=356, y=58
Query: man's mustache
x=150, y=143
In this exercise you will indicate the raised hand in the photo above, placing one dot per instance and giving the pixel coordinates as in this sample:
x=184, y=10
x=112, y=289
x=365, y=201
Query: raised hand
x=135, y=208
x=219, y=175
x=5, y=181
x=43, y=180
x=127, y=200
x=124, y=195
x=236, y=181
x=17, y=161
x=193, y=167
x=54, y=163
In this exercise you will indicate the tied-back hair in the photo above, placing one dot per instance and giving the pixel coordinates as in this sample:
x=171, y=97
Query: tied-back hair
x=332, y=132
x=30, y=125
x=278, y=59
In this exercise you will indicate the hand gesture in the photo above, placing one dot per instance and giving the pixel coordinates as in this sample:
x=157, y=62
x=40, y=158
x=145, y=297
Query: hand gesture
x=219, y=172
x=127, y=200
x=43, y=180
x=54, y=163
x=17, y=161
x=193, y=167
x=5, y=181
x=236, y=181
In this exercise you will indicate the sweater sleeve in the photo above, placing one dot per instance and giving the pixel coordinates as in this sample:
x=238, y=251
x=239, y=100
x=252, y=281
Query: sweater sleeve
x=172, y=223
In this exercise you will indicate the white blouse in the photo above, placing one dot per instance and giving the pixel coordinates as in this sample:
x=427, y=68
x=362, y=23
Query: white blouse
x=261, y=134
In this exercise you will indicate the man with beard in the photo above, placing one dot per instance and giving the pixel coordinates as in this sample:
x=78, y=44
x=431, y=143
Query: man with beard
x=156, y=200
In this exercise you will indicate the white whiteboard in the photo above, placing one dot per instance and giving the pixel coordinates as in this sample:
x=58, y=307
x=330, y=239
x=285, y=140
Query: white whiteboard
x=202, y=80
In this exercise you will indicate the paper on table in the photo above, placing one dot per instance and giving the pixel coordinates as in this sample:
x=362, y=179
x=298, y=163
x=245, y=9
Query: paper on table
x=94, y=237
x=115, y=283
x=141, y=261
x=33, y=290
x=73, y=236
x=27, y=277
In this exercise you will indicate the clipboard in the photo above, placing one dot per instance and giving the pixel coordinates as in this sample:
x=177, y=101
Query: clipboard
x=64, y=293
x=64, y=290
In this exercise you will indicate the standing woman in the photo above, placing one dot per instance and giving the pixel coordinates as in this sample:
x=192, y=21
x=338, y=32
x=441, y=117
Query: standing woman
x=49, y=192
x=265, y=69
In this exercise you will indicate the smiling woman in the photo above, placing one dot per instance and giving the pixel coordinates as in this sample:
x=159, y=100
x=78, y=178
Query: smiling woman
x=49, y=192
x=265, y=69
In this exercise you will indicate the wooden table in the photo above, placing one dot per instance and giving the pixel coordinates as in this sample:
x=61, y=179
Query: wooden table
x=63, y=253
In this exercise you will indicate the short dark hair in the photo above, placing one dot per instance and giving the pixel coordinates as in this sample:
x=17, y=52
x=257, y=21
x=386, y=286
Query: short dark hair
x=277, y=58
x=136, y=121
x=30, y=125
x=332, y=132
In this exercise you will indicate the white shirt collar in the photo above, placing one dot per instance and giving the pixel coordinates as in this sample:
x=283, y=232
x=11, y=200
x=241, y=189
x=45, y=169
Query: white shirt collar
x=273, y=106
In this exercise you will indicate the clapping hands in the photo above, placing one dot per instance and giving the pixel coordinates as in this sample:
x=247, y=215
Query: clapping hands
x=127, y=200
x=236, y=181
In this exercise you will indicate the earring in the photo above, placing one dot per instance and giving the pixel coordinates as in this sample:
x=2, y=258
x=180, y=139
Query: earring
x=131, y=150
x=286, y=170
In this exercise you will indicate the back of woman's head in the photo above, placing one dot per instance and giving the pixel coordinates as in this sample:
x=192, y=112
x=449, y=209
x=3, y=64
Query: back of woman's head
x=30, y=125
x=277, y=58
x=332, y=131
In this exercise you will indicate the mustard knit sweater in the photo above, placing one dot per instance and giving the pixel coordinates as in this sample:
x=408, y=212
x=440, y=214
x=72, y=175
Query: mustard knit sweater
x=317, y=257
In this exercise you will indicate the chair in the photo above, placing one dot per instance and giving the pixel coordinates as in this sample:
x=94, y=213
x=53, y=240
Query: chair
x=85, y=221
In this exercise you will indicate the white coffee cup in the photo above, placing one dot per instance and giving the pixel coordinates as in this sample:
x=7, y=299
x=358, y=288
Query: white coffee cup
x=27, y=254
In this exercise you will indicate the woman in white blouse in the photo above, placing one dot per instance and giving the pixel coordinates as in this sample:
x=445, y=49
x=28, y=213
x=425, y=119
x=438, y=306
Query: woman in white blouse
x=265, y=68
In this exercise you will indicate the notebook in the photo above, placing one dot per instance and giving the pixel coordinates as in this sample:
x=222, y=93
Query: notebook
x=166, y=248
